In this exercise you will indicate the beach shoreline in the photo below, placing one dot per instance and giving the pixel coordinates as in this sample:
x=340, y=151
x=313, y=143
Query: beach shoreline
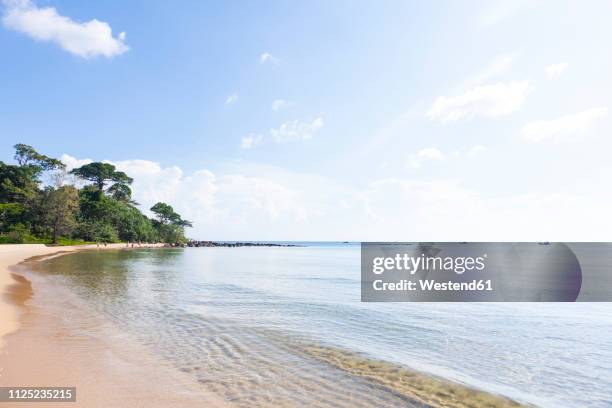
x=12, y=255
x=50, y=342
x=69, y=344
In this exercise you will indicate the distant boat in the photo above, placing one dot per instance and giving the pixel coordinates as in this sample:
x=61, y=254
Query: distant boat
x=543, y=243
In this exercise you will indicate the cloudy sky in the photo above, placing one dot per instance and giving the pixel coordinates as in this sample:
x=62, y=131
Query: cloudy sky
x=318, y=120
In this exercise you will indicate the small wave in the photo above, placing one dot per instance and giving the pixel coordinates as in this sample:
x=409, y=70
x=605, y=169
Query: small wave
x=428, y=390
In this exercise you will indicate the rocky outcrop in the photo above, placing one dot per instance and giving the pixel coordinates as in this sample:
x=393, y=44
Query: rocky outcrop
x=234, y=244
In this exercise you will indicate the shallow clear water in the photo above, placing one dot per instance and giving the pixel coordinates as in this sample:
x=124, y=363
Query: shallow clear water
x=238, y=319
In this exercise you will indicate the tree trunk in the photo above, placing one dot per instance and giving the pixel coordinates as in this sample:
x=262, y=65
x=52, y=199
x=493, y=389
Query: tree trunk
x=55, y=235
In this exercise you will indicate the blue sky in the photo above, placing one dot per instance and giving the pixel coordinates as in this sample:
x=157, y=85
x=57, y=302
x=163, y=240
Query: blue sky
x=392, y=120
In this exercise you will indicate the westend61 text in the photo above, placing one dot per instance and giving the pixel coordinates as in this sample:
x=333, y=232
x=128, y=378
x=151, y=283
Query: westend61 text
x=432, y=285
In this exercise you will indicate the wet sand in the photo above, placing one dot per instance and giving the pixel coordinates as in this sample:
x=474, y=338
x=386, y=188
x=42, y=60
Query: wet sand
x=52, y=343
x=11, y=255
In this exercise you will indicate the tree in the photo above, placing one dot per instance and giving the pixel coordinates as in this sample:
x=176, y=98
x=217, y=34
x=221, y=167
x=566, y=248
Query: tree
x=26, y=156
x=9, y=215
x=132, y=225
x=60, y=207
x=20, y=182
x=17, y=184
x=19, y=193
x=183, y=223
x=121, y=192
x=166, y=215
x=101, y=174
x=170, y=225
x=164, y=212
x=102, y=210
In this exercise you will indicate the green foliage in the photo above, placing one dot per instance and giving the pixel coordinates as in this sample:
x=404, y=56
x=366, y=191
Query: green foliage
x=19, y=234
x=59, y=207
x=99, y=212
x=132, y=225
x=97, y=231
x=26, y=156
x=101, y=174
x=18, y=184
x=120, y=192
x=71, y=242
x=19, y=192
x=30, y=239
x=170, y=225
x=10, y=213
x=163, y=211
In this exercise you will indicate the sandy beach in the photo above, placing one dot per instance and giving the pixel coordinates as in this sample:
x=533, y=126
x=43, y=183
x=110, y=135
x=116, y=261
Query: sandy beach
x=13, y=254
x=40, y=347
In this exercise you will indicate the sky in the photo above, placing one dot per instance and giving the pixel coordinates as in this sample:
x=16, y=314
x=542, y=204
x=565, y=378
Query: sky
x=344, y=120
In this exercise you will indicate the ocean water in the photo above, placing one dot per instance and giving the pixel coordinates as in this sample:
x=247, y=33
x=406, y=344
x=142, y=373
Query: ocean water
x=248, y=322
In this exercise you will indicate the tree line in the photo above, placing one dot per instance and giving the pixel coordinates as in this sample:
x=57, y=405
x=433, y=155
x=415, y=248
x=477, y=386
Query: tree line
x=57, y=211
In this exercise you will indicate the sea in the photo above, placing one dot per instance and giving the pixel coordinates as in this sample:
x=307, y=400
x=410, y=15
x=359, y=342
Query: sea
x=284, y=326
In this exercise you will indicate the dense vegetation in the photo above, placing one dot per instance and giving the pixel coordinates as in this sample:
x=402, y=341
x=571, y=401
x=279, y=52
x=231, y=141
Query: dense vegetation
x=60, y=213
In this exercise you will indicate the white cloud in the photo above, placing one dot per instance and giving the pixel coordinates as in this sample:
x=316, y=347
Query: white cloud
x=279, y=104
x=556, y=70
x=88, y=39
x=491, y=101
x=430, y=153
x=251, y=141
x=445, y=210
x=435, y=154
x=267, y=57
x=251, y=202
x=563, y=128
x=290, y=131
x=153, y=183
x=248, y=201
x=474, y=151
x=73, y=163
x=231, y=99
x=293, y=130
x=498, y=66
x=296, y=130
